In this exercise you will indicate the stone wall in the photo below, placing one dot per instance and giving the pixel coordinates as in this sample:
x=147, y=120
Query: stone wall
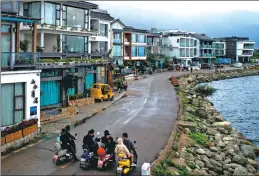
x=81, y=102
x=205, y=143
x=63, y=112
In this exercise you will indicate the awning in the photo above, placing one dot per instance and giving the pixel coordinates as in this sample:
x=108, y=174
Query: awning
x=17, y=18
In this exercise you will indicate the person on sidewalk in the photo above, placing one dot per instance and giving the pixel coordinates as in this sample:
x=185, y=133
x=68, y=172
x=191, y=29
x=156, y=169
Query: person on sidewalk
x=65, y=143
x=191, y=69
x=130, y=146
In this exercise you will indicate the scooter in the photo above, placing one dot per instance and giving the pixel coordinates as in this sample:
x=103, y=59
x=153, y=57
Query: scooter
x=87, y=159
x=104, y=160
x=61, y=155
x=124, y=166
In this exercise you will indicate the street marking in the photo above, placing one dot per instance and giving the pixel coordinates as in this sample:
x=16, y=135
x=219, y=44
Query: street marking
x=64, y=166
x=145, y=101
x=134, y=115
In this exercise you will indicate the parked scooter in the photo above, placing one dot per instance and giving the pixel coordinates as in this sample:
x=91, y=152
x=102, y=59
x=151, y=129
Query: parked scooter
x=61, y=155
x=124, y=166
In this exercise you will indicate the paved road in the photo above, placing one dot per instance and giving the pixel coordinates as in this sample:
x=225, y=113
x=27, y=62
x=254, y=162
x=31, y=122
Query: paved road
x=147, y=114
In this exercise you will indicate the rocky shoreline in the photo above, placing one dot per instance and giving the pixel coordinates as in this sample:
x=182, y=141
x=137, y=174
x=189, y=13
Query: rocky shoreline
x=205, y=143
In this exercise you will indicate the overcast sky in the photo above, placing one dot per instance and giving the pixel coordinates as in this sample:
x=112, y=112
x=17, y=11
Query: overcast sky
x=214, y=18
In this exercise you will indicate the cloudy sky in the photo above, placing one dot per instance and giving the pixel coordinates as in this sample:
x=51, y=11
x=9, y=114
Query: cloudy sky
x=215, y=18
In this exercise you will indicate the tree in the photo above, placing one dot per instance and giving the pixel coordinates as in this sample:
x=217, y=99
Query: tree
x=204, y=91
x=151, y=58
x=167, y=62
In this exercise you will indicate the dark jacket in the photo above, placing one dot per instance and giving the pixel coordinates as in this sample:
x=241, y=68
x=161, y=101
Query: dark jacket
x=89, y=141
x=71, y=137
x=65, y=140
x=106, y=139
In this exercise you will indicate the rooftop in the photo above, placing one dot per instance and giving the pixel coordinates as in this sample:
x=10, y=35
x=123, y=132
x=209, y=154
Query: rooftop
x=131, y=29
x=202, y=37
x=101, y=14
x=80, y=4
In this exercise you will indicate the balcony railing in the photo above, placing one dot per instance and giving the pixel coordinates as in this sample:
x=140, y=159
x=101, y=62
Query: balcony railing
x=21, y=60
x=249, y=47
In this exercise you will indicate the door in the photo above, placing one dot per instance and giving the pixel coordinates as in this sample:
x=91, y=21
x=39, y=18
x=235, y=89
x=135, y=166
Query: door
x=50, y=93
x=89, y=79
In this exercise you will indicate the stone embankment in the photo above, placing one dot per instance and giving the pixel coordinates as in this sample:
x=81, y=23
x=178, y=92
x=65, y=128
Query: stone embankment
x=205, y=143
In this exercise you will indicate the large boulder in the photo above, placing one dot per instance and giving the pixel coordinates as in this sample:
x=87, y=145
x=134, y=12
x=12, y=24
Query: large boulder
x=240, y=160
x=248, y=151
x=240, y=170
x=199, y=172
x=253, y=163
x=224, y=124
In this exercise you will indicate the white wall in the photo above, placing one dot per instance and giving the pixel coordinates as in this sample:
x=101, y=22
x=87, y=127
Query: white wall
x=117, y=25
x=50, y=40
x=25, y=77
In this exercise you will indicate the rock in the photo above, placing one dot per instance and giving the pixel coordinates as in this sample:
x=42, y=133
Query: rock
x=208, y=153
x=256, y=150
x=240, y=170
x=217, y=157
x=201, y=113
x=228, y=139
x=226, y=161
x=215, y=163
x=226, y=173
x=221, y=144
x=199, y=172
x=231, y=165
x=248, y=151
x=224, y=124
x=229, y=150
x=218, y=137
x=187, y=131
x=250, y=168
x=236, y=148
x=219, y=118
x=213, y=173
x=240, y=160
x=253, y=163
x=214, y=149
x=200, y=163
x=211, y=131
x=200, y=151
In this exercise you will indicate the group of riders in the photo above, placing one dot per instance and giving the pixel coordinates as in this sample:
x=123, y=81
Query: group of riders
x=90, y=142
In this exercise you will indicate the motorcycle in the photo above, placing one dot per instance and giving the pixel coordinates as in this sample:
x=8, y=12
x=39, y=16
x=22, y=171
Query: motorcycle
x=104, y=160
x=61, y=155
x=124, y=166
x=87, y=159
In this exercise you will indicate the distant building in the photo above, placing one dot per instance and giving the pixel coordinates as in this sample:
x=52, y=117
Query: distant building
x=238, y=49
x=134, y=45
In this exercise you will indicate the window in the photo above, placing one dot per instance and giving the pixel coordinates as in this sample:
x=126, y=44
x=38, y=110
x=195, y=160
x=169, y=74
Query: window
x=73, y=17
x=141, y=38
x=52, y=13
x=177, y=40
x=12, y=103
x=32, y=9
x=117, y=37
x=104, y=30
x=86, y=19
x=116, y=51
x=134, y=38
x=103, y=47
x=75, y=44
x=141, y=51
x=10, y=6
x=134, y=51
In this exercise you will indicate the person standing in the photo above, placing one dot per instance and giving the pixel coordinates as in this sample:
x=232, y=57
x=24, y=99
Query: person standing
x=191, y=69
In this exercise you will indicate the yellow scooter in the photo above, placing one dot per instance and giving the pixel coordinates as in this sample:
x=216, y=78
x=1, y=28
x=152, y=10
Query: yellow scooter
x=124, y=166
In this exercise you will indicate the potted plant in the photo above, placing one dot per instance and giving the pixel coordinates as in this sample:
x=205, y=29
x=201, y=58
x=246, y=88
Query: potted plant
x=24, y=45
x=29, y=126
x=12, y=133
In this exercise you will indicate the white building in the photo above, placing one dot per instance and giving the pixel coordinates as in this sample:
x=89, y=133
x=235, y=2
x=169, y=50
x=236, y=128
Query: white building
x=245, y=50
x=64, y=26
x=179, y=44
x=20, y=76
x=100, y=24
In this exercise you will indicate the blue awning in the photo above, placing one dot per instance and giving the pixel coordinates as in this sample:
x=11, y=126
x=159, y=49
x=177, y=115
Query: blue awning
x=14, y=18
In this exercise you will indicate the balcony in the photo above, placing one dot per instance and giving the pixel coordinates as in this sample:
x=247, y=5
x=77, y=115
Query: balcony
x=248, y=46
x=19, y=61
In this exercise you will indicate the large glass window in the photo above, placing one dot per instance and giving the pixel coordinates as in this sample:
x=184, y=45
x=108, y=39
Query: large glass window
x=52, y=13
x=141, y=51
x=103, y=47
x=75, y=17
x=11, y=6
x=5, y=44
x=12, y=103
x=134, y=38
x=116, y=51
x=141, y=38
x=117, y=37
x=75, y=44
x=104, y=30
x=134, y=51
x=32, y=9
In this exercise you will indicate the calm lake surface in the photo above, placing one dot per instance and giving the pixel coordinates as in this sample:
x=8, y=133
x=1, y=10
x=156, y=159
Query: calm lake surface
x=238, y=101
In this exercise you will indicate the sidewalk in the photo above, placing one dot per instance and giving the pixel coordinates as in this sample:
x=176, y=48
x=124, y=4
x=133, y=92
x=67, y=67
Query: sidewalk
x=84, y=113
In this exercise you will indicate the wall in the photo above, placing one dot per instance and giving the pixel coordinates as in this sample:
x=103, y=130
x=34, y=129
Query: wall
x=26, y=77
x=50, y=40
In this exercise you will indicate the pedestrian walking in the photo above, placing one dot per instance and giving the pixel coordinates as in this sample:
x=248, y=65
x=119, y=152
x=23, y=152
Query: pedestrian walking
x=191, y=69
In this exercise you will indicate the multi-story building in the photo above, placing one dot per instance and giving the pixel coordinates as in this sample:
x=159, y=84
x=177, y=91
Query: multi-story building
x=220, y=48
x=134, y=45
x=179, y=44
x=206, y=47
x=116, y=41
x=65, y=32
x=20, y=75
x=238, y=49
x=100, y=24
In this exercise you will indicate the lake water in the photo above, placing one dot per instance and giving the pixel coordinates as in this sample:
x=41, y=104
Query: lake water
x=238, y=101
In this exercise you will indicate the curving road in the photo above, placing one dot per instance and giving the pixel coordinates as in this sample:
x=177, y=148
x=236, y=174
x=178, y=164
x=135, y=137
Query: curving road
x=147, y=114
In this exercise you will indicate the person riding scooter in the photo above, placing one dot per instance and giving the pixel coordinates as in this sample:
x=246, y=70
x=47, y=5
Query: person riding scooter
x=130, y=146
x=108, y=142
x=90, y=142
x=71, y=137
x=66, y=143
x=122, y=149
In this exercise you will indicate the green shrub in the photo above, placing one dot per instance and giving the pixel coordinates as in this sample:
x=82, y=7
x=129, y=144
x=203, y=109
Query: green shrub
x=169, y=162
x=205, y=90
x=199, y=138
